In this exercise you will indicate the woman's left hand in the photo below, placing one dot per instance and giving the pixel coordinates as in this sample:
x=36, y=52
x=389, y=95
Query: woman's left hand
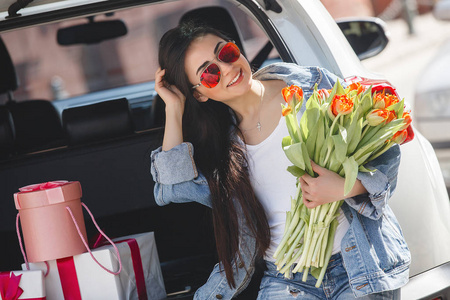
x=327, y=187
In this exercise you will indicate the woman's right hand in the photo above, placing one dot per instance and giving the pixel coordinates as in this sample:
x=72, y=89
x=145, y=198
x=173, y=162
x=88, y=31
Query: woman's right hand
x=170, y=94
x=174, y=100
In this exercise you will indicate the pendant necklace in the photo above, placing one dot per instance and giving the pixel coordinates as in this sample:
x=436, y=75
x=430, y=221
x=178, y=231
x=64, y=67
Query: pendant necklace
x=258, y=124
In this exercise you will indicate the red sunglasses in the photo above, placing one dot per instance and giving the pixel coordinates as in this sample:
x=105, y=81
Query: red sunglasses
x=210, y=77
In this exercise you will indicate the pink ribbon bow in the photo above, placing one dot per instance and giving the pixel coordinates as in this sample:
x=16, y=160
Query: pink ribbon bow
x=9, y=286
x=42, y=186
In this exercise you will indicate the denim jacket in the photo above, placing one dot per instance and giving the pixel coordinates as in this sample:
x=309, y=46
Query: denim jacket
x=374, y=250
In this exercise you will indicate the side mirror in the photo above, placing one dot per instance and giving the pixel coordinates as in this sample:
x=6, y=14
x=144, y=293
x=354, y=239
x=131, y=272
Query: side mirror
x=441, y=10
x=91, y=33
x=366, y=36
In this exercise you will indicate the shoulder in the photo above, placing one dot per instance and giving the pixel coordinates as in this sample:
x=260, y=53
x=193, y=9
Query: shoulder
x=305, y=76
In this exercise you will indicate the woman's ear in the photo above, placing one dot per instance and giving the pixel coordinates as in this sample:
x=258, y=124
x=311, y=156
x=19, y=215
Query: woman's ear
x=200, y=97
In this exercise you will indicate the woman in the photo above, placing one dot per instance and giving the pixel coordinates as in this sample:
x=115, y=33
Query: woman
x=222, y=148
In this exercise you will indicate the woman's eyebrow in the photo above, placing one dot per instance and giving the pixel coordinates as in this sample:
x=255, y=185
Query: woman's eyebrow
x=207, y=62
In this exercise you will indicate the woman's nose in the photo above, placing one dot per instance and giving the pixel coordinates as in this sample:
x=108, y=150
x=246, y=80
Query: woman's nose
x=225, y=67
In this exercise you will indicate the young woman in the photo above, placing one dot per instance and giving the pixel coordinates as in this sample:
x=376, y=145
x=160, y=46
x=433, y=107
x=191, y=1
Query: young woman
x=222, y=148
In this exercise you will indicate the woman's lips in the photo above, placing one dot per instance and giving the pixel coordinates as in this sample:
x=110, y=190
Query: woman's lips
x=236, y=80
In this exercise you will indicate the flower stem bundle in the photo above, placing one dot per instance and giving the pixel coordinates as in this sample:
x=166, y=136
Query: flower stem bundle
x=341, y=130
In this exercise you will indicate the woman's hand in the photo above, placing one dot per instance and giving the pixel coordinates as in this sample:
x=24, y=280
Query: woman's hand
x=326, y=187
x=170, y=94
x=174, y=100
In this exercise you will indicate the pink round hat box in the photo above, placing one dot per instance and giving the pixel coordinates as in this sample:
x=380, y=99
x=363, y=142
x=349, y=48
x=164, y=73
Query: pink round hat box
x=48, y=229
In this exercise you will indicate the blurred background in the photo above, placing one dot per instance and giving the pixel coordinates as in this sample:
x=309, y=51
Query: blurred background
x=416, y=61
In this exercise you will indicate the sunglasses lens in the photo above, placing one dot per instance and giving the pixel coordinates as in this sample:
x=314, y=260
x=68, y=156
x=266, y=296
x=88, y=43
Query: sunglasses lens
x=229, y=53
x=211, y=76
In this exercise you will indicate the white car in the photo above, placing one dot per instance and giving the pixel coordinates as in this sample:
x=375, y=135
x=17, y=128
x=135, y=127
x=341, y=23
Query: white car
x=85, y=55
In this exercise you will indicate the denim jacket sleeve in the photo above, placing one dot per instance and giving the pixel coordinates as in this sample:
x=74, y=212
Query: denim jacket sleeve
x=176, y=177
x=379, y=184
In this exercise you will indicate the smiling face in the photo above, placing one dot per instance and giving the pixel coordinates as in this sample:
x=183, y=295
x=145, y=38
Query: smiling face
x=235, y=77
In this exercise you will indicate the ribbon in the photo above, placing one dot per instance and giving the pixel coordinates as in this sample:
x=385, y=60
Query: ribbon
x=42, y=186
x=137, y=263
x=9, y=286
x=68, y=278
x=137, y=267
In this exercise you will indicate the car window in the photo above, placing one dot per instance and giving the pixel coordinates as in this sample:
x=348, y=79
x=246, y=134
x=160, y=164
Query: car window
x=50, y=71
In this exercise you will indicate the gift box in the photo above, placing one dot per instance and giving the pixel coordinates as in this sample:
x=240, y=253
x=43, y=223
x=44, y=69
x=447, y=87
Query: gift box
x=22, y=285
x=141, y=277
x=80, y=277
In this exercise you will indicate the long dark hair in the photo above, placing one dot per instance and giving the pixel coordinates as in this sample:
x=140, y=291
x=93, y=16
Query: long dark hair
x=212, y=129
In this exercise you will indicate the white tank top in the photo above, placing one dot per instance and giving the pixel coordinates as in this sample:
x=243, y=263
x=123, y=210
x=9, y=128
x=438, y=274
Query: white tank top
x=274, y=186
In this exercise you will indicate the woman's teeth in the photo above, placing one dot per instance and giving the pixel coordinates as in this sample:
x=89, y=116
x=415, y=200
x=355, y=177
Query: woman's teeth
x=235, y=79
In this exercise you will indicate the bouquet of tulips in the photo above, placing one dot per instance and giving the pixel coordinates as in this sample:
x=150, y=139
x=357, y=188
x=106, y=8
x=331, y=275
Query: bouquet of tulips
x=341, y=130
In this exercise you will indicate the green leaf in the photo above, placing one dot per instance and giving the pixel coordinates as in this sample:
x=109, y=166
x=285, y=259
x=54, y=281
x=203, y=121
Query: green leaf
x=351, y=172
x=385, y=132
x=354, y=132
x=340, y=146
x=296, y=171
x=320, y=139
x=307, y=160
x=398, y=108
x=339, y=88
x=364, y=169
x=334, y=164
x=292, y=127
x=323, y=150
x=294, y=153
x=366, y=103
x=310, y=117
x=287, y=141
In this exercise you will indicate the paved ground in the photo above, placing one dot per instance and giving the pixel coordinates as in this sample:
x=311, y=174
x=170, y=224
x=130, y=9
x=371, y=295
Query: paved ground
x=406, y=55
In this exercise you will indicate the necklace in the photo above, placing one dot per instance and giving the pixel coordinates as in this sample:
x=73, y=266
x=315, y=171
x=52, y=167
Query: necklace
x=258, y=124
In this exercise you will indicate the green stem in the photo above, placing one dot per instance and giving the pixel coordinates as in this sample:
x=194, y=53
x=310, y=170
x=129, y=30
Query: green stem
x=384, y=149
x=305, y=274
x=334, y=123
x=291, y=249
x=328, y=252
x=292, y=225
x=292, y=260
x=364, y=132
x=297, y=231
x=321, y=243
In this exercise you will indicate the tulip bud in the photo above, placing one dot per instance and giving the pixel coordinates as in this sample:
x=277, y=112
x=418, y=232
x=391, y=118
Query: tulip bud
x=400, y=136
x=378, y=101
x=286, y=110
x=406, y=115
x=377, y=116
x=292, y=92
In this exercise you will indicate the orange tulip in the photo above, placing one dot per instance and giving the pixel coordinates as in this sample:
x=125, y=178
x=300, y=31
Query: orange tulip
x=406, y=115
x=400, y=136
x=356, y=86
x=287, y=110
x=323, y=95
x=390, y=99
x=292, y=91
x=341, y=104
x=392, y=116
x=378, y=101
x=377, y=116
